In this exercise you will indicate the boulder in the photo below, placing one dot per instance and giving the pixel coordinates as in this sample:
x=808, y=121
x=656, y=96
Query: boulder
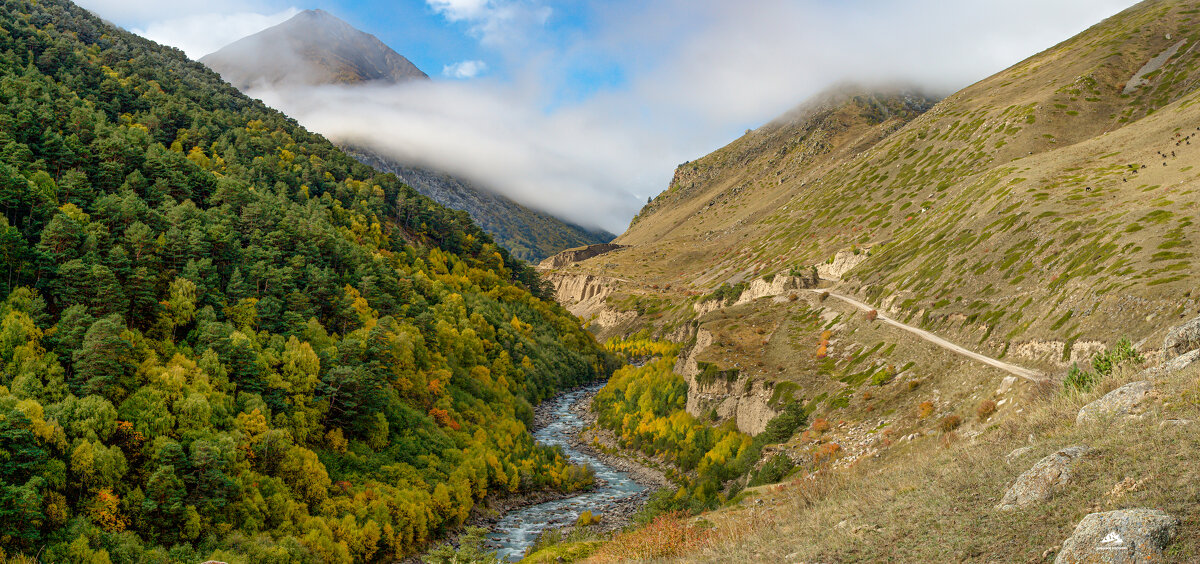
x=1182, y=339
x=1127, y=535
x=1039, y=483
x=1120, y=402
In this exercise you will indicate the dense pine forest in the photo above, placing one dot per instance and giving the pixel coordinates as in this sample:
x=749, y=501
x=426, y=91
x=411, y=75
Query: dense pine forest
x=220, y=337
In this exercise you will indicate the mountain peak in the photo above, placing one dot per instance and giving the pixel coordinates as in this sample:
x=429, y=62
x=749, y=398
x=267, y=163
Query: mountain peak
x=312, y=48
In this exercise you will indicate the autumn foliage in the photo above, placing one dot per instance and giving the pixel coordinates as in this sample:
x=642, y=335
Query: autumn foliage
x=222, y=338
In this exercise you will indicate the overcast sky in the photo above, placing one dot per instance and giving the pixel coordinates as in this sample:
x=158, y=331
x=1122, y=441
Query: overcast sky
x=583, y=108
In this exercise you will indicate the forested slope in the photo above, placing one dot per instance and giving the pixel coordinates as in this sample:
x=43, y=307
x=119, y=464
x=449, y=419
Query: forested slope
x=223, y=338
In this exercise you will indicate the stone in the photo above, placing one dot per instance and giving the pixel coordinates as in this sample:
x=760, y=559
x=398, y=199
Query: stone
x=1040, y=482
x=1175, y=423
x=1017, y=454
x=1120, y=402
x=1126, y=535
x=1006, y=384
x=1182, y=361
x=1182, y=339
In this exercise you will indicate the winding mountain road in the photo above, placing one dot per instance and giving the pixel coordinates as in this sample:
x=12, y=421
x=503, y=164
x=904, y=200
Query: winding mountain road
x=1031, y=375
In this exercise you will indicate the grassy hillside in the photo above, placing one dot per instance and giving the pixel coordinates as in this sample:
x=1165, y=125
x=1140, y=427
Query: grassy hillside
x=221, y=337
x=1035, y=205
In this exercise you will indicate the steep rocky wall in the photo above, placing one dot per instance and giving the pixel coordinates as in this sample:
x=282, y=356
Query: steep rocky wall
x=778, y=286
x=1051, y=352
x=584, y=296
x=760, y=288
x=842, y=263
x=570, y=256
x=745, y=401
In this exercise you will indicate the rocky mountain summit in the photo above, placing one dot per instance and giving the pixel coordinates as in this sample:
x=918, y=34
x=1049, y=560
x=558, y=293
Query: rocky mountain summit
x=314, y=47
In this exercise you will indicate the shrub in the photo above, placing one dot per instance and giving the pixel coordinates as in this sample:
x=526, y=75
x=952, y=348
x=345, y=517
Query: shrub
x=872, y=315
x=1103, y=364
x=986, y=409
x=824, y=295
x=1079, y=379
x=783, y=426
x=1123, y=352
x=587, y=519
x=820, y=425
x=950, y=423
x=925, y=409
x=772, y=470
x=793, y=297
x=826, y=453
x=726, y=293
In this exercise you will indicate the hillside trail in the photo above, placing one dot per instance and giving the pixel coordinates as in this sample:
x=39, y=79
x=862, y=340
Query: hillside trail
x=1031, y=375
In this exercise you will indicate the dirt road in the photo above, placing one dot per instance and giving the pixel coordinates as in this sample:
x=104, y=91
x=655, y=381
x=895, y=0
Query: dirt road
x=1031, y=375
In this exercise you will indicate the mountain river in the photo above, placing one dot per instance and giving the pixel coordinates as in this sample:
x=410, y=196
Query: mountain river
x=519, y=528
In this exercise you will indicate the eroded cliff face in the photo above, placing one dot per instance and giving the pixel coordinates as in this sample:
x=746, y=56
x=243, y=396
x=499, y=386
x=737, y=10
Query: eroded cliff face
x=843, y=262
x=584, y=295
x=571, y=256
x=778, y=286
x=746, y=401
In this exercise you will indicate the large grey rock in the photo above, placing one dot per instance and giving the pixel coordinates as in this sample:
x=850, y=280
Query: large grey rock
x=1182, y=339
x=1121, y=402
x=1127, y=535
x=1040, y=482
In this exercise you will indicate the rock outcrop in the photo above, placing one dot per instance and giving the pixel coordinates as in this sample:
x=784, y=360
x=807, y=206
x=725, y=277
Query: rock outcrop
x=1041, y=481
x=760, y=288
x=1125, y=401
x=1127, y=535
x=1182, y=339
x=580, y=254
x=584, y=296
x=843, y=262
x=747, y=402
x=778, y=286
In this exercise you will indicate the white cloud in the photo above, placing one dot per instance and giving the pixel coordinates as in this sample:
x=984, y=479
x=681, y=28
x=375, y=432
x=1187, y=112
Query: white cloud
x=464, y=69
x=198, y=28
x=573, y=164
x=693, y=75
x=495, y=22
x=201, y=34
x=696, y=73
x=460, y=10
x=139, y=12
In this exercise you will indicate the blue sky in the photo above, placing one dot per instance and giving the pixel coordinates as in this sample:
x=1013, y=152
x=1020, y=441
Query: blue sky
x=583, y=108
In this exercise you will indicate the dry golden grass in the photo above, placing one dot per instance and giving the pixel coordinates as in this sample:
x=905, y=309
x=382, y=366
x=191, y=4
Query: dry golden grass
x=921, y=503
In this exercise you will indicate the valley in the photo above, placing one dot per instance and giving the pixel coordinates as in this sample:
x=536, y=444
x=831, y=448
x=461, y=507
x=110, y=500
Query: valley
x=892, y=324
